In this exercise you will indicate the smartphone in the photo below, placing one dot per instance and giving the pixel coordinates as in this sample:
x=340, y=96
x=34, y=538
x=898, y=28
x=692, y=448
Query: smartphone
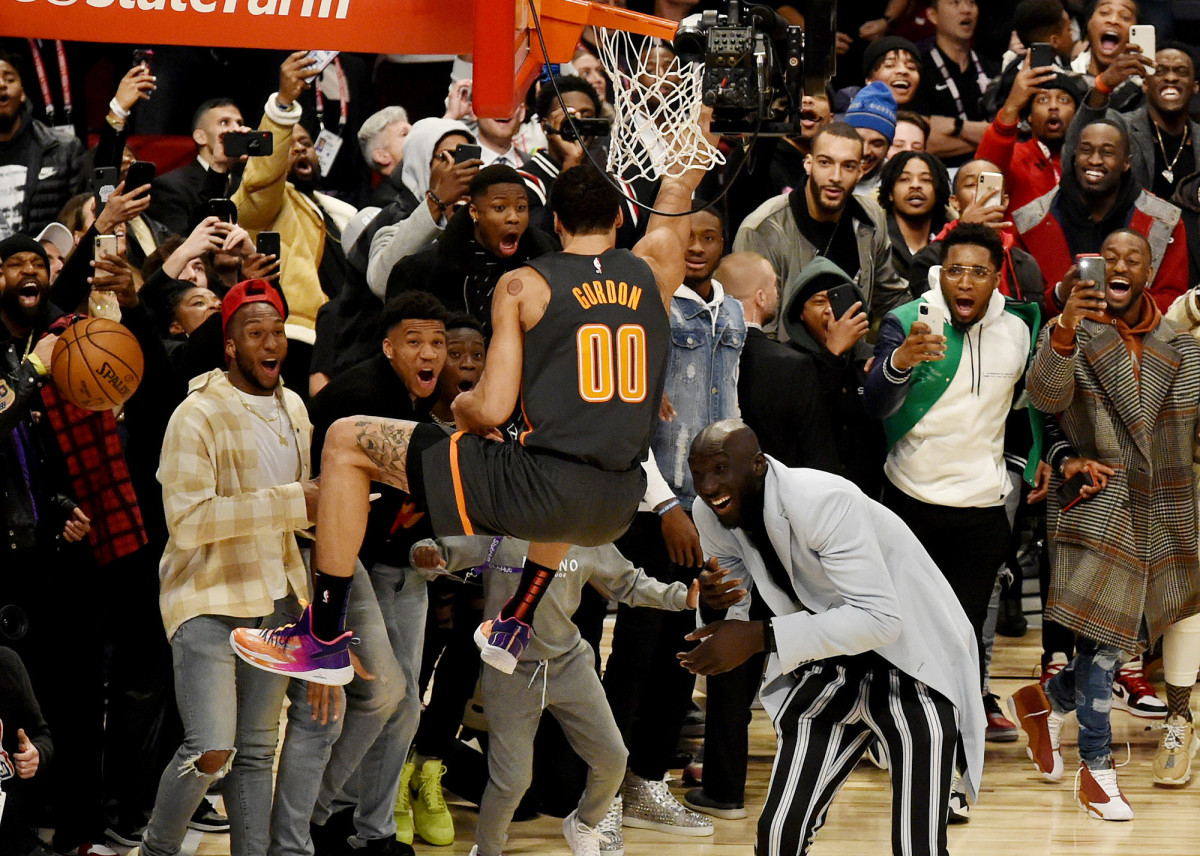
x=1091, y=266
x=143, y=56
x=319, y=60
x=1142, y=37
x=105, y=245
x=104, y=182
x=1068, y=491
x=222, y=209
x=932, y=316
x=267, y=243
x=990, y=186
x=842, y=297
x=466, y=152
x=139, y=173
x=1042, y=54
x=255, y=144
x=575, y=127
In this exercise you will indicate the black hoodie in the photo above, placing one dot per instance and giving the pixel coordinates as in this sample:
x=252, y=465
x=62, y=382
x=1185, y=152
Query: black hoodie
x=52, y=175
x=1083, y=234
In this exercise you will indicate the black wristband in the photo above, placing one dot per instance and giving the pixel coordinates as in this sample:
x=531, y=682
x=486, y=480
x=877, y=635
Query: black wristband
x=958, y=126
x=769, y=637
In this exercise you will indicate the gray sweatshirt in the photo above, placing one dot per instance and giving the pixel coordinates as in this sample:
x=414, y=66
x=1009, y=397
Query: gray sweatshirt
x=554, y=634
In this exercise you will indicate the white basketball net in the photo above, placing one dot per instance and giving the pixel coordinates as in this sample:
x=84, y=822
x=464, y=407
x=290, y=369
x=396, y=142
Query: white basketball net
x=656, y=132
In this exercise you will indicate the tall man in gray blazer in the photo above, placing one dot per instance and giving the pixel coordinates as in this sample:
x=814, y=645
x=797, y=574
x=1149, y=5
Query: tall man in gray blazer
x=868, y=641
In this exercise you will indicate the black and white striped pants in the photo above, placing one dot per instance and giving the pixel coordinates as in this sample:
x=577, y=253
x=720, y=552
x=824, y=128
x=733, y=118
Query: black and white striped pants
x=836, y=708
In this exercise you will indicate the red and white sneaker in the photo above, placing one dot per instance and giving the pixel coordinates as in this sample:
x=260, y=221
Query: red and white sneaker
x=1032, y=710
x=294, y=651
x=1098, y=792
x=1135, y=695
x=1058, y=662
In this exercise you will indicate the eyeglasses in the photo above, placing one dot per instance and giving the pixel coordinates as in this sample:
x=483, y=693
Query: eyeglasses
x=978, y=273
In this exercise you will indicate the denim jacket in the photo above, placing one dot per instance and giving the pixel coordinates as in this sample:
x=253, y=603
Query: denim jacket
x=702, y=376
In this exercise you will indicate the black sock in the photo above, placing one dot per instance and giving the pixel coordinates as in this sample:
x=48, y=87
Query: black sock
x=534, y=580
x=330, y=596
x=1179, y=701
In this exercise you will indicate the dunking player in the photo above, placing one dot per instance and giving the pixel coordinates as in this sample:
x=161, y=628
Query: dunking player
x=581, y=341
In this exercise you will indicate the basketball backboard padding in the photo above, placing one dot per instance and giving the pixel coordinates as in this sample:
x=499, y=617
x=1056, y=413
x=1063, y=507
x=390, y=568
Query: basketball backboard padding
x=505, y=67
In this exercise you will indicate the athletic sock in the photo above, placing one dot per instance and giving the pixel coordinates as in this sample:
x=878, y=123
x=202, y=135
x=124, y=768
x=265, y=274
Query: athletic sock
x=1179, y=701
x=330, y=596
x=535, y=579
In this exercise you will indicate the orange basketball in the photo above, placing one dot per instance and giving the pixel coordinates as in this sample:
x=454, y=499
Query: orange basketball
x=97, y=364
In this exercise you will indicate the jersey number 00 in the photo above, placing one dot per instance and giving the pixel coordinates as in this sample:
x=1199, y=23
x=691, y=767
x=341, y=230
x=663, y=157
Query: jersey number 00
x=611, y=364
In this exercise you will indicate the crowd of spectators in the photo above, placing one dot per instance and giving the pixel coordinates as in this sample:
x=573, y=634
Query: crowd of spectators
x=892, y=295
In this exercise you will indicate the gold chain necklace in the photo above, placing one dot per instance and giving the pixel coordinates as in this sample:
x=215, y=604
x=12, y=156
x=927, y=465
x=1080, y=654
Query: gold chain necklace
x=278, y=417
x=1169, y=172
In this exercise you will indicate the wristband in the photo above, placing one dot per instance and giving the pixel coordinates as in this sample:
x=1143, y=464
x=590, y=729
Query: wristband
x=674, y=503
x=958, y=126
x=1102, y=87
x=433, y=197
x=116, y=107
x=769, y=644
x=37, y=363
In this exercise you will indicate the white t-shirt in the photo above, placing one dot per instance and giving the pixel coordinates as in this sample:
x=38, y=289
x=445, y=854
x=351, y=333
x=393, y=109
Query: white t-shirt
x=278, y=457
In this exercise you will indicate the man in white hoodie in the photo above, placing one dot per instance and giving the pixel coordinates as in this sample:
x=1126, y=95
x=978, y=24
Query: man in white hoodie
x=948, y=369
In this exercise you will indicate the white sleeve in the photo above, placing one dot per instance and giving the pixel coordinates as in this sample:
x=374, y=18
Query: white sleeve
x=657, y=489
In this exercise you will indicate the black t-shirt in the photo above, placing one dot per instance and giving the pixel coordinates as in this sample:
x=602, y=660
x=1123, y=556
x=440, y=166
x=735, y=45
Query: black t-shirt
x=935, y=97
x=1179, y=168
x=836, y=241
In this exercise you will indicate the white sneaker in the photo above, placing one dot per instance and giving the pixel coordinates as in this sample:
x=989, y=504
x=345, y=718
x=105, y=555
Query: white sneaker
x=583, y=840
x=1098, y=792
x=612, y=839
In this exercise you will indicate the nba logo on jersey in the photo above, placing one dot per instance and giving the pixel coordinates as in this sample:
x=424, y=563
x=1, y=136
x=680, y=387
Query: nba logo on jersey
x=596, y=264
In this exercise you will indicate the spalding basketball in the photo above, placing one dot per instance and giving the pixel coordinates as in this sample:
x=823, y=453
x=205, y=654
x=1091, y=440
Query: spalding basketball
x=97, y=364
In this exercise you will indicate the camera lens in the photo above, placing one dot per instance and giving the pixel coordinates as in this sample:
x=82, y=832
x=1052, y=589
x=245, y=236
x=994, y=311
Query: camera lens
x=14, y=623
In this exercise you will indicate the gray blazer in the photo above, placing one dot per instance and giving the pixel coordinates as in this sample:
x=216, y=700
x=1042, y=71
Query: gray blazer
x=862, y=582
x=1142, y=141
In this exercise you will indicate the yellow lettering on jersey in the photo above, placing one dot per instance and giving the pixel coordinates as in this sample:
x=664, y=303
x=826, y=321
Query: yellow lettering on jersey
x=635, y=296
x=611, y=288
x=583, y=301
x=591, y=295
x=598, y=288
x=594, y=293
x=623, y=294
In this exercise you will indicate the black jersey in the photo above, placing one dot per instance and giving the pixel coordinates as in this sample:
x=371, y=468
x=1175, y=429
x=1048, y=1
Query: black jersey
x=595, y=364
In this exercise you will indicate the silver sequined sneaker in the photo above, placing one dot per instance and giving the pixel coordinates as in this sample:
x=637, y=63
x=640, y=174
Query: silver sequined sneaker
x=651, y=805
x=612, y=840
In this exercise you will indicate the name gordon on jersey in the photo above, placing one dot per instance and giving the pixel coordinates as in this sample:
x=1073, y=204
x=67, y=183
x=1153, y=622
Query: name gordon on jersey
x=597, y=293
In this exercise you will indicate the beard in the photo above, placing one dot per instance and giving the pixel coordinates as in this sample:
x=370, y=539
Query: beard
x=26, y=316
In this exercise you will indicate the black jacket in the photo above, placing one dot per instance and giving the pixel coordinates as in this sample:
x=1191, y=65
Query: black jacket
x=52, y=175
x=792, y=428
x=175, y=196
x=460, y=272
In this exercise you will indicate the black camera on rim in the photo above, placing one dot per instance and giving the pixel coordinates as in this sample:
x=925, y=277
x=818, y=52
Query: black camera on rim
x=757, y=67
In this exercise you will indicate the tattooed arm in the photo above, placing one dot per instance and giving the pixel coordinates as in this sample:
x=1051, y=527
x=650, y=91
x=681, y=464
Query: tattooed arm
x=517, y=304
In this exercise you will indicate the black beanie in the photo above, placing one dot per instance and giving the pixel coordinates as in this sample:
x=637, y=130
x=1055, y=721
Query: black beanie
x=880, y=48
x=22, y=244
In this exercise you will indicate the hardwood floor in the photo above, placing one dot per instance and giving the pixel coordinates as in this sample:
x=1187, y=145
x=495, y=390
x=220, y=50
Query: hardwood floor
x=1017, y=814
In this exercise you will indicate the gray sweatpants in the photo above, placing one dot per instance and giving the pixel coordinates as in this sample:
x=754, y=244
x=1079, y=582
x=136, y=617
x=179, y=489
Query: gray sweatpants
x=569, y=688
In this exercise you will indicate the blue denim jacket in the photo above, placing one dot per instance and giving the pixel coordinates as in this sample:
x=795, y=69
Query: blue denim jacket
x=702, y=376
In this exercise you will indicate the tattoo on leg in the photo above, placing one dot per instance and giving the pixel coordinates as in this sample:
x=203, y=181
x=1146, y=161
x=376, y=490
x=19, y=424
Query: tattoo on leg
x=385, y=442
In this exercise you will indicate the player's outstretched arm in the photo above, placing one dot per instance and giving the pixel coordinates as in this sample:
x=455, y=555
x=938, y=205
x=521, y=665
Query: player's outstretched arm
x=495, y=397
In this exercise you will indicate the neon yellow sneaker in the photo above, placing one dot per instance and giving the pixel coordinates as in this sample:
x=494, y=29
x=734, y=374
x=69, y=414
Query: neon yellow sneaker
x=404, y=821
x=431, y=817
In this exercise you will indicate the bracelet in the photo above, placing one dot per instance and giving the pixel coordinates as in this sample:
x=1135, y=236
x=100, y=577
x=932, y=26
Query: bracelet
x=1102, y=87
x=674, y=503
x=116, y=107
x=433, y=197
x=115, y=122
x=958, y=126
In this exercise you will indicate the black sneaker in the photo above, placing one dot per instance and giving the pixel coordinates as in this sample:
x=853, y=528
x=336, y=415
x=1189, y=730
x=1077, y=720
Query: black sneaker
x=380, y=847
x=127, y=834
x=697, y=800
x=329, y=839
x=206, y=818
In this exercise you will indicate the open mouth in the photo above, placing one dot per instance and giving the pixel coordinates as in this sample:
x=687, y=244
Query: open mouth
x=466, y=385
x=271, y=367
x=1118, y=287
x=1110, y=40
x=509, y=242
x=964, y=306
x=720, y=503
x=30, y=293
x=1054, y=125
x=426, y=376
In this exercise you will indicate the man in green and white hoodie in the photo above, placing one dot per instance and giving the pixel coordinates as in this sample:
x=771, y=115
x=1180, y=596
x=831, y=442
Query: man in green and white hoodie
x=944, y=396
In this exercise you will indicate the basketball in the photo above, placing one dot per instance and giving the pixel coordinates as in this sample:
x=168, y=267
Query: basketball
x=97, y=364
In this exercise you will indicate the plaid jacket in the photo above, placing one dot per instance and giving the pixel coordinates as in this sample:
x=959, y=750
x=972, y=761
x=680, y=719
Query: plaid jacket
x=1129, y=552
x=225, y=525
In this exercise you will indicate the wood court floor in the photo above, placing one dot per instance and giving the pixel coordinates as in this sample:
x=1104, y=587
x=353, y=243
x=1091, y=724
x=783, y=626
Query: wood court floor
x=1018, y=813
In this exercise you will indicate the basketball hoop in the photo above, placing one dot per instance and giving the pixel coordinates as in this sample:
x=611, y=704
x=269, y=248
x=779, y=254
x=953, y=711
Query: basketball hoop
x=656, y=132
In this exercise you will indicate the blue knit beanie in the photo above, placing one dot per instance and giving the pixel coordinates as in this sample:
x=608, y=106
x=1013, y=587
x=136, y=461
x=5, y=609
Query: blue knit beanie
x=874, y=107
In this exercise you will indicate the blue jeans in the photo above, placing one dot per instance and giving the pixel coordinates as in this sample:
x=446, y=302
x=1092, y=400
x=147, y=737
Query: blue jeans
x=1086, y=687
x=226, y=706
x=318, y=759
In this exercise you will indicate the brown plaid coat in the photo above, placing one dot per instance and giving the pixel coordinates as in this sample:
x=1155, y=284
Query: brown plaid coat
x=1129, y=553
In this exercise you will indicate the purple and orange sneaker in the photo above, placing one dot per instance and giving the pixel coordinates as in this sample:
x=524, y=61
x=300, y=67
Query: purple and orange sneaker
x=501, y=642
x=294, y=651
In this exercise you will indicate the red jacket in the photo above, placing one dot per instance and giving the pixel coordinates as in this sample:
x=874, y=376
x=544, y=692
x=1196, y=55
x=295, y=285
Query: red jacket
x=1028, y=173
x=1160, y=221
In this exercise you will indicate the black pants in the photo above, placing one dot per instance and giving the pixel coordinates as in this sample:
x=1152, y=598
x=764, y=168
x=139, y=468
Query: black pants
x=727, y=723
x=837, y=706
x=969, y=546
x=648, y=690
